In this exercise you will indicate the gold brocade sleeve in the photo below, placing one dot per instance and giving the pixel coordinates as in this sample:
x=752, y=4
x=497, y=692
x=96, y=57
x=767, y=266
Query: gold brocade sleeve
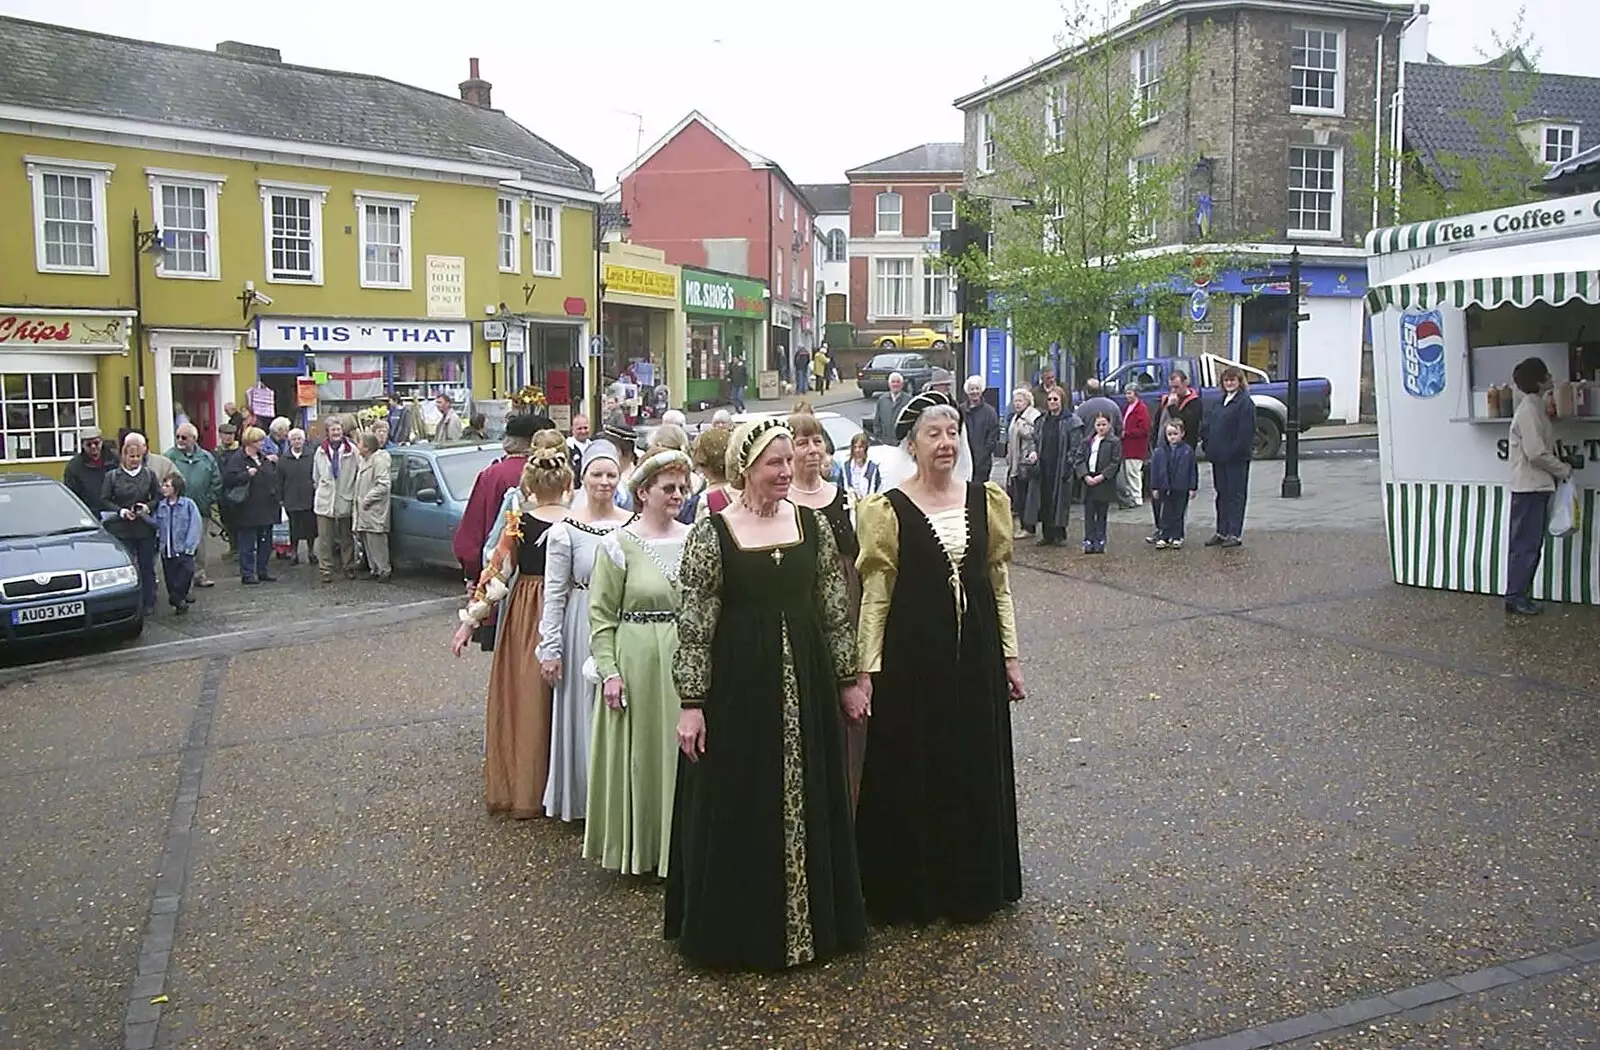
x=878, y=530
x=700, y=577
x=998, y=508
x=833, y=600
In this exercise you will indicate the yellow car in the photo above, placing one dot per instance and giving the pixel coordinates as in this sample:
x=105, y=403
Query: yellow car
x=914, y=339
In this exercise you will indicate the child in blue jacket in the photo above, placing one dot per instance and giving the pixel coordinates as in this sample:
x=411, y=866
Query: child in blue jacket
x=178, y=528
x=1174, y=479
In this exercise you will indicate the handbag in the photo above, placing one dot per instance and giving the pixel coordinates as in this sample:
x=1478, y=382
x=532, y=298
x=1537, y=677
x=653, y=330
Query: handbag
x=234, y=495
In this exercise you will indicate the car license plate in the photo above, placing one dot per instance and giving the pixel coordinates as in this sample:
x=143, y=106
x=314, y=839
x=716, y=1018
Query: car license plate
x=42, y=613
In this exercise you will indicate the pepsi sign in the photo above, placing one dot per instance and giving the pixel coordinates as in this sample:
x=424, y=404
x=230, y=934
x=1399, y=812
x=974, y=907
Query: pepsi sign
x=1422, y=352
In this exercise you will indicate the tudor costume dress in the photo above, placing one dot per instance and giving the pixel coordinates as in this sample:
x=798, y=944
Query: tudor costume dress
x=937, y=821
x=570, y=550
x=633, y=766
x=764, y=872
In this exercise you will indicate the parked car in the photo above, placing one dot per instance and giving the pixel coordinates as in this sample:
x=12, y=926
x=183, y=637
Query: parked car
x=918, y=372
x=429, y=489
x=914, y=338
x=1272, y=413
x=61, y=573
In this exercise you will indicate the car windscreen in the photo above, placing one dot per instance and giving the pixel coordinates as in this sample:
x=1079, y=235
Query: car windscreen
x=461, y=469
x=889, y=361
x=41, y=509
x=840, y=431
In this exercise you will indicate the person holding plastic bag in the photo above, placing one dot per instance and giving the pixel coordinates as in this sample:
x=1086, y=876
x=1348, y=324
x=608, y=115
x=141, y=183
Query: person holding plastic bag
x=1536, y=469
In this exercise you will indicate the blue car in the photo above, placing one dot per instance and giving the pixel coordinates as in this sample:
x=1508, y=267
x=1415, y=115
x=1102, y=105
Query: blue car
x=62, y=574
x=428, y=493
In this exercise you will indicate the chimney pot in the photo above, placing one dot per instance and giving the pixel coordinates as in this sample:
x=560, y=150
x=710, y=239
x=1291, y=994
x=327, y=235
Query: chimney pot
x=252, y=52
x=472, y=65
x=474, y=89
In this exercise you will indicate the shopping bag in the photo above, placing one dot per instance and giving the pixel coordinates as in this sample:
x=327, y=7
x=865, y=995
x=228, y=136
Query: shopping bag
x=1564, y=510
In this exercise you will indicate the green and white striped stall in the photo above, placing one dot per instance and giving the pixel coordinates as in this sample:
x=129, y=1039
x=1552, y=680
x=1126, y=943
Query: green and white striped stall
x=1553, y=272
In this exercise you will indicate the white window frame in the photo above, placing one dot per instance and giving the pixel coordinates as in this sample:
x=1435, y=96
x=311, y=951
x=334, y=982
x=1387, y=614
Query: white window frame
x=1336, y=230
x=838, y=247
x=879, y=286
x=1055, y=116
x=1142, y=220
x=1338, y=70
x=899, y=214
x=211, y=187
x=66, y=434
x=933, y=274
x=508, y=208
x=318, y=196
x=406, y=203
x=554, y=269
x=782, y=197
x=1050, y=235
x=1146, y=63
x=99, y=175
x=1545, y=131
x=986, y=150
x=777, y=272
x=933, y=226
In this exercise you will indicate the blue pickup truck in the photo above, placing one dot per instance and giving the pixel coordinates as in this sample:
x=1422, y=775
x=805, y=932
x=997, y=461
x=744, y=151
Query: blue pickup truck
x=1205, y=371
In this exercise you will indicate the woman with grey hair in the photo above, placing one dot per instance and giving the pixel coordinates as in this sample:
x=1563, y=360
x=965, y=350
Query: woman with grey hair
x=277, y=438
x=1022, y=459
x=936, y=826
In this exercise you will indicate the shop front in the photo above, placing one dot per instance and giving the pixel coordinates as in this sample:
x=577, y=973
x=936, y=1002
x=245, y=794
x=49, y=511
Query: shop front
x=642, y=323
x=725, y=314
x=1246, y=322
x=352, y=364
x=61, y=371
x=194, y=378
x=1456, y=304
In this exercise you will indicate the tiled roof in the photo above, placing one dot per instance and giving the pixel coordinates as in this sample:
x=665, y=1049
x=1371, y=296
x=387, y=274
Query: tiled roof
x=57, y=68
x=1439, y=97
x=933, y=157
x=828, y=198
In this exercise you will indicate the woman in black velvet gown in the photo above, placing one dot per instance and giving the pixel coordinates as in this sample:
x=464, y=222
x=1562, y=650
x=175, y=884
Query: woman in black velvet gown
x=936, y=826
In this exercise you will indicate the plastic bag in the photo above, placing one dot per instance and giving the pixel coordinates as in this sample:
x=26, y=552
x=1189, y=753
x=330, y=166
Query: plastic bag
x=1565, y=514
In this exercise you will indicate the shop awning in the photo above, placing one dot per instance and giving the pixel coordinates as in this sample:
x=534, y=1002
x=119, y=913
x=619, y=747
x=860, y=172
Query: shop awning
x=1553, y=271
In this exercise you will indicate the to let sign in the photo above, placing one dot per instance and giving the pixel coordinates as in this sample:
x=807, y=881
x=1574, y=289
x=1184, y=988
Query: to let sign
x=630, y=280
x=447, y=286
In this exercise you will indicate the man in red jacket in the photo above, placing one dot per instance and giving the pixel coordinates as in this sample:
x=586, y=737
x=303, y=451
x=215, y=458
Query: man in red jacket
x=494, y=481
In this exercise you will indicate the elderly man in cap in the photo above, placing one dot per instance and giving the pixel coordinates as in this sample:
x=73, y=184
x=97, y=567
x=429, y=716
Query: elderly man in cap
x=202, y=482
x=85, y=472
x=227, y=445
x=494, y=481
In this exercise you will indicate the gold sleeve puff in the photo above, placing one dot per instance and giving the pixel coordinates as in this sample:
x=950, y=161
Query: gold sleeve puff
x=878, y=531
x=998, y=507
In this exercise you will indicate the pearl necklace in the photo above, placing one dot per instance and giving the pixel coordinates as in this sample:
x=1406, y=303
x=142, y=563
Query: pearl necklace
x=808, y=492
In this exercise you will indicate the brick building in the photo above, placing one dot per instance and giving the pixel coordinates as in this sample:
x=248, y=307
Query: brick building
x=1286, y=101
x=898, y=207
x=708, y=202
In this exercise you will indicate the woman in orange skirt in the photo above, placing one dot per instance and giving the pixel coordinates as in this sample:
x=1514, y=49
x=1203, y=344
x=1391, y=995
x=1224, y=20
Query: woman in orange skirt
x=516, y=760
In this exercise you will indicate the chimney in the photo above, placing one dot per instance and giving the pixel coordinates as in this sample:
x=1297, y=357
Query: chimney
x=475, y=89
x=250, y=52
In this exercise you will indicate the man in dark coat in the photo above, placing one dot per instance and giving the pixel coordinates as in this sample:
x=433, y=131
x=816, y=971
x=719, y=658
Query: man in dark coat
x=399, y=421
x=887, y=410
x=738, y=376
x=85, y=472
x=1096, y=403
x=1058, y=434
x=982, y=426
x=1229, y=441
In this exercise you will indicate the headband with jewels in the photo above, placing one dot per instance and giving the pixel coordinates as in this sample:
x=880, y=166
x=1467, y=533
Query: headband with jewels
x=749, y=441
x=907, y=419
x=653, y=464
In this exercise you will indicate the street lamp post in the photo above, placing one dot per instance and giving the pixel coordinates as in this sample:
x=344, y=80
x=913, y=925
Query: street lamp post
x=1291, y=448
x=145, y=242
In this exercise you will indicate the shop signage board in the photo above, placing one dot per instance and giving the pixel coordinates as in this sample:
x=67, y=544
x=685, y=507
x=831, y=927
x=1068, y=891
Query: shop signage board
x=447, y=286
x=630, y=280
x=46, y=331
x=721, y=295
x=296, y=334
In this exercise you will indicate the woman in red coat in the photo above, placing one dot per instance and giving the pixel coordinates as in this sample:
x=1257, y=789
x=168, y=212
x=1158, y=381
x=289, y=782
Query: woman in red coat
x=1135, y=447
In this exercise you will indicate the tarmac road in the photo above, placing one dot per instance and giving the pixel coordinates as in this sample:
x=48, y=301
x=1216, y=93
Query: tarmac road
x=1268, y=799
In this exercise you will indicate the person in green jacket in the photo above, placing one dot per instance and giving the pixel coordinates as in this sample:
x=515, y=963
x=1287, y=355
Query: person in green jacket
x=202, y=482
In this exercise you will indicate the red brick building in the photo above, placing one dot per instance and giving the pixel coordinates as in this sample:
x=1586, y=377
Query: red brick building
x=706, y=201
x=898, y=207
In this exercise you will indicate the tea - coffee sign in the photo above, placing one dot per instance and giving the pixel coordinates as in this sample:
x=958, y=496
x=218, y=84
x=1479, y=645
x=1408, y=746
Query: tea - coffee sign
x=722, y=295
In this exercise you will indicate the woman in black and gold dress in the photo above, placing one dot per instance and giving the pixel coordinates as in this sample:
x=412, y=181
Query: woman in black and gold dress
x=937, y=822
x=763, y=874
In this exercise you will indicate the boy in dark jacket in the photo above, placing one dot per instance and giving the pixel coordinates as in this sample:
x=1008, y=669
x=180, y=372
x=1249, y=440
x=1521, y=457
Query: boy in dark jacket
x=1174, y=479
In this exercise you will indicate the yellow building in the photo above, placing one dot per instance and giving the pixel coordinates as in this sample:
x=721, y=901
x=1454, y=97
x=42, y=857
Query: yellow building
x=193, y=228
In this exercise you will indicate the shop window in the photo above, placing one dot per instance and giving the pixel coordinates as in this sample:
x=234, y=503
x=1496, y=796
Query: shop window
x=69, y=215
x=385, y=227
x=1264, y=331
x=706, y=351
x=42, y=413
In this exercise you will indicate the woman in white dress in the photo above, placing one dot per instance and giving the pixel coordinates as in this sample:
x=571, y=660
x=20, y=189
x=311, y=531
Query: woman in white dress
x=563, y=650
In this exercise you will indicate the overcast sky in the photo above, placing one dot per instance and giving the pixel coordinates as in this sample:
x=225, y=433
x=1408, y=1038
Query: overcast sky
x=819, y=87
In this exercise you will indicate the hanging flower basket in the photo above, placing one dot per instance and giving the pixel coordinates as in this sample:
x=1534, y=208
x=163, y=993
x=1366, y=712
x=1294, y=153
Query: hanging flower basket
x=529, y=399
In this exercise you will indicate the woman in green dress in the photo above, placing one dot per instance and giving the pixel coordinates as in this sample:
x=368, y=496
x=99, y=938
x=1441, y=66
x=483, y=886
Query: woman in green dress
x=633, y=619
x=764, y=872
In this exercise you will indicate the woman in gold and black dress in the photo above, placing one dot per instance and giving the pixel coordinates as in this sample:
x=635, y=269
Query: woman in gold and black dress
x=763, y=873
x=937, y=821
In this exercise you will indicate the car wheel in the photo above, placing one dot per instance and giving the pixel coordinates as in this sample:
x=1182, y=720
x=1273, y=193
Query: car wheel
x=886, y=344
x=130, y=632
x=939, y=344
x=1268, y=439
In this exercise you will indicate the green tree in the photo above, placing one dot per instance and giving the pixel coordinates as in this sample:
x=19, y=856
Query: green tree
x=1077, y=197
